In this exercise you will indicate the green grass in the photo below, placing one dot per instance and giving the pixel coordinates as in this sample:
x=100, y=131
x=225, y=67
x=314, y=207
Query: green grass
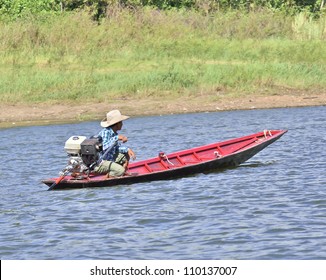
x=158, y=54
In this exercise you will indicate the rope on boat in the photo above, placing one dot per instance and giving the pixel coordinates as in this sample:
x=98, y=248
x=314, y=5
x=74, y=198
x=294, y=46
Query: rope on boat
x=217, y=154
x=267, y=131
x=164, y=156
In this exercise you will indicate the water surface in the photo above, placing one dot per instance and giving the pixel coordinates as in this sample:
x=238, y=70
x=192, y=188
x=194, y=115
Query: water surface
x=271, y=207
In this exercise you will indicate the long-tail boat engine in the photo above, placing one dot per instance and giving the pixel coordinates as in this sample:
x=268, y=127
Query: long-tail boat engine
x=83, y=154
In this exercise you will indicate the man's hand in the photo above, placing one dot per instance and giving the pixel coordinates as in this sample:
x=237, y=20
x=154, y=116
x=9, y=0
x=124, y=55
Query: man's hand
x=123, y=138
x=131, y=154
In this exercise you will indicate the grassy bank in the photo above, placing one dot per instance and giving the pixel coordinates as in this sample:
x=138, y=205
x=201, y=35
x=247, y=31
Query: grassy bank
x=149, y=53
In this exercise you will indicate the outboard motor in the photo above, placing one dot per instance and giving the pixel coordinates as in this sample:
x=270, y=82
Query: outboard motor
x=83, y=155
x=90, y=149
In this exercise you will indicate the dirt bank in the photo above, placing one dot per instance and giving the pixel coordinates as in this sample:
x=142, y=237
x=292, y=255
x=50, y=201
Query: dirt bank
x=22, y=115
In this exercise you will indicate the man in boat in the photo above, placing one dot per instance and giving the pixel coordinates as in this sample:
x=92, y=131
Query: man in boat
x=115, y=157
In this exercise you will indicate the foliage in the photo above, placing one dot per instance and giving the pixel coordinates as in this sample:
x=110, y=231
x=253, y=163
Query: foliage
x=161, y=54
x=17, y=8
x=14, y=9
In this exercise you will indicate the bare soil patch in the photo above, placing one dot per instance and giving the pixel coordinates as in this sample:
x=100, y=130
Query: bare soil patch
x=40, y=114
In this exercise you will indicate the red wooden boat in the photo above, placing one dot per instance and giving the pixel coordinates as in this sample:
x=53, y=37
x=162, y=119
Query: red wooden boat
x=202, y=159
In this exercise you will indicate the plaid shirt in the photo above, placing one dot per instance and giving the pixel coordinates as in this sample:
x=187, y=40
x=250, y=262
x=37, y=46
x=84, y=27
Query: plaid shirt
x=110, y=139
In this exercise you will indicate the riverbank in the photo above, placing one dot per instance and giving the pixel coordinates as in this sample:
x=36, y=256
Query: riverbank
x=64, y=68
x=43, y=113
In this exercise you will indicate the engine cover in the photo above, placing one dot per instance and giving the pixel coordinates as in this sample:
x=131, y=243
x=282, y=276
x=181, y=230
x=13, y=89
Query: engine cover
x=73, y=145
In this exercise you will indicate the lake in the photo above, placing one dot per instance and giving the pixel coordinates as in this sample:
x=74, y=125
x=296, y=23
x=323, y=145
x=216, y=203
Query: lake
x=271, y=207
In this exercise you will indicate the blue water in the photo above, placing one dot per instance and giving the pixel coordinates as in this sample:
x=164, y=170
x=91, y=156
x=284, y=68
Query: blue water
x=271, y=207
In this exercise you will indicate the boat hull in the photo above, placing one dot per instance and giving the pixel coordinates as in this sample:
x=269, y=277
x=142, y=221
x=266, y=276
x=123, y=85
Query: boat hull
x=202, y=159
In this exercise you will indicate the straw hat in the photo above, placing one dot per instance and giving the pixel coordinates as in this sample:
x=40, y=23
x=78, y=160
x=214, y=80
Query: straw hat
x=112, y=118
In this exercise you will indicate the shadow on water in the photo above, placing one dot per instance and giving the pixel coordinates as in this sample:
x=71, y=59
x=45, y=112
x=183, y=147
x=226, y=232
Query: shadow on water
x=256, y=164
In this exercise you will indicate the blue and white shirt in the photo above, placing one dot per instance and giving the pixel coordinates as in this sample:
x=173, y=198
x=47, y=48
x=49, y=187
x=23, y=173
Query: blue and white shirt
x=110, y=139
